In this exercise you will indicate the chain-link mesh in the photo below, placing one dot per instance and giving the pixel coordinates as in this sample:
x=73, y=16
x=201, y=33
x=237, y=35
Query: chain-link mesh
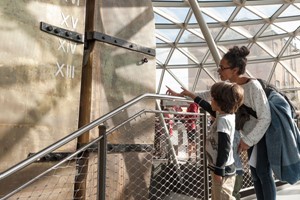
x=169, y=163
x=185, y=178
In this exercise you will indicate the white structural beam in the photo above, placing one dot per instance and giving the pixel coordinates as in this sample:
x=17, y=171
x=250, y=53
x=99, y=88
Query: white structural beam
x=206, y=33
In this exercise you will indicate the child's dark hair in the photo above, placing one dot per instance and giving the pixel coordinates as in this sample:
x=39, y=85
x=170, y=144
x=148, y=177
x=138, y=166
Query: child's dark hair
x=236, y=57
x=228, y=96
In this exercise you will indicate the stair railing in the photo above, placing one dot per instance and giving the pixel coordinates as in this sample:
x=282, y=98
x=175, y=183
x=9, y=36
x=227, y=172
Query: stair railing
x=35, y=157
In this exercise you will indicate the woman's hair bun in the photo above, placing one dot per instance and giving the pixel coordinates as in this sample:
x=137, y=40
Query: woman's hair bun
x=244, y=51
x=239, y=52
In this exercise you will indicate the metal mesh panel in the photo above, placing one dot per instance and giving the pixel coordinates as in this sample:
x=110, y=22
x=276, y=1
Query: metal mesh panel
x=247, y=179
x=56, y=184
x=135, y=169
x=184, y=179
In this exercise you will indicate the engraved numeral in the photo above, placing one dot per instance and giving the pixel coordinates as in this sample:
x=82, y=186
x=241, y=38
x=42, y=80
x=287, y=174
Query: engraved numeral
x=67, y=19
x=67, y=46
x=74, y=2
x=69, y=71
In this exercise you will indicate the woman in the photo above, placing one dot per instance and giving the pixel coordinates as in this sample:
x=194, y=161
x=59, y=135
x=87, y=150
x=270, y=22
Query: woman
x=232, y=68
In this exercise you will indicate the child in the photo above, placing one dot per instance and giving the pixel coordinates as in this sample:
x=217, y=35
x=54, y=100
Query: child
x=226, y=98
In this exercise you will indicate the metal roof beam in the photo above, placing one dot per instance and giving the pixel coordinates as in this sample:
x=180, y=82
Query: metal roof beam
x=206, y=33
x=160, y=3
x=221, y=24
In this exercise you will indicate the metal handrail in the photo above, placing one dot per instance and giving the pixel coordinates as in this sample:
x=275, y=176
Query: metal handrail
x=81, y=131
x=69, y=157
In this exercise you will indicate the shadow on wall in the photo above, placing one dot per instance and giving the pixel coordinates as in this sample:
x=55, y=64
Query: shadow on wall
x=32, y=94
x=121, y=76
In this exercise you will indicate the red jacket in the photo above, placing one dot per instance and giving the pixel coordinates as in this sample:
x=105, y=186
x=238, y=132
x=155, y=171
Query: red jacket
x=190, y=122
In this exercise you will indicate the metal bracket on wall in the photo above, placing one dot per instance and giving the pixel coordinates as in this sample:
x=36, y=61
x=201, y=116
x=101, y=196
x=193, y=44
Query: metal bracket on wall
x=122, y=148
x=119, y=42
x=63, y=33
x=52, y=156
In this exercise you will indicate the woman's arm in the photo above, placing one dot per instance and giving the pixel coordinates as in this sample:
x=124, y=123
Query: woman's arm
x=257, y=100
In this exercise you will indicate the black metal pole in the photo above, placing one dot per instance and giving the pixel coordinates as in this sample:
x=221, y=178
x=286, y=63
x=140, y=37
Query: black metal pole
x=206, y=175
x=102, y=154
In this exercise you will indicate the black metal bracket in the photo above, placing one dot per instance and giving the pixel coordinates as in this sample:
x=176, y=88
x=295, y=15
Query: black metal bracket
x=122, y=148
x=63, y=33
x=52, y=156
x=119, y=42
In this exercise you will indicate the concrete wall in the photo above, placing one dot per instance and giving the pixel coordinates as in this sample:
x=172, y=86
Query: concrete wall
x=51, y=86
x=118, y=76
x=116, y=73
x=40, y=76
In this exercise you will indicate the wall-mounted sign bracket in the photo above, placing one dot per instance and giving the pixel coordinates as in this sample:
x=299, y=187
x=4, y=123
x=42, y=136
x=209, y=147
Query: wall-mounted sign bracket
x=119, y=42
x=63, y=33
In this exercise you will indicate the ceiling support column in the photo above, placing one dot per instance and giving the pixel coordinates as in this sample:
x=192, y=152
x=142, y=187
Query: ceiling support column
x=204, y=28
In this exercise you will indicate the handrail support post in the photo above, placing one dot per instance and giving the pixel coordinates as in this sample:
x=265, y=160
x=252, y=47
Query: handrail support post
x=102, y=155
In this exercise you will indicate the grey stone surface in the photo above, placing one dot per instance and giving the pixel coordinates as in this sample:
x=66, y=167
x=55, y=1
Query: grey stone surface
x=40, y=76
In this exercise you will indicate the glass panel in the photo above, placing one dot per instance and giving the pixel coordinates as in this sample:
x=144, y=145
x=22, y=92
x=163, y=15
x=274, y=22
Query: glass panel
x=231, y=35
x=161, y=20
x=231, y=45
x=256, y=52
x=267, y=10
x=215, y=32
x=192, y=77
x=251, y=29
x=170, y=34
x=293, y=48
x=186, y=50
x=196, y=31
x=289, y=83
x=207, y=19
x=162, y=54
x=205, y=81
x=198, y=53
x=220, y=13
x=190, y=37
x=276, y=44
x=293, y=72
x=272, y=30
x=294, y=66
x=209, y=60
x=280, y=77
x=179, y=59
x=158, y=41
x=181, y=74
x=290, y=11
x=245, y=15
x=177, y=13
x=260, y=70
x=289, y=26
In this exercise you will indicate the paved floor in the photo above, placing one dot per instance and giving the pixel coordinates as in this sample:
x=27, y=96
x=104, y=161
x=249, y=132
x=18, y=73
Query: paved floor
x=285, y=192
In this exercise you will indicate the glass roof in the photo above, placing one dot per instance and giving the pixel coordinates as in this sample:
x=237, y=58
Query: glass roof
x=269, y=28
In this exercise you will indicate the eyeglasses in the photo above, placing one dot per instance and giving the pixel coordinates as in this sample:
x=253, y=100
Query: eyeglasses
x=221, y=68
